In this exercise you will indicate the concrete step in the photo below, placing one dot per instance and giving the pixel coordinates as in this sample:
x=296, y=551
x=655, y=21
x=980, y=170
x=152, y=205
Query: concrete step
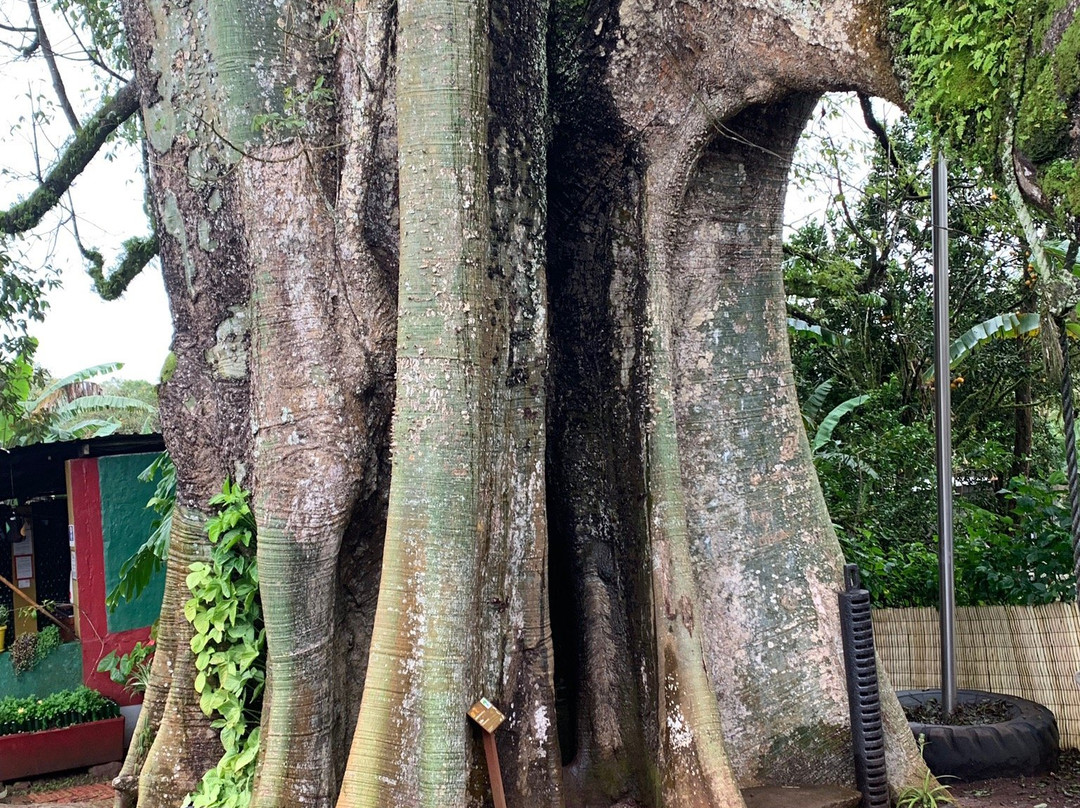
x=801, y=797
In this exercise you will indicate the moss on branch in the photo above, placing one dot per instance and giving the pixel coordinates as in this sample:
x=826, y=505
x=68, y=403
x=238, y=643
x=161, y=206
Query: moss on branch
x=25, y=215
x=138, y=252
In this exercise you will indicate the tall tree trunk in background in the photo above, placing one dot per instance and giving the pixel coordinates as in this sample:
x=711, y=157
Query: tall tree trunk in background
x=1023, y=420
x=353, y=205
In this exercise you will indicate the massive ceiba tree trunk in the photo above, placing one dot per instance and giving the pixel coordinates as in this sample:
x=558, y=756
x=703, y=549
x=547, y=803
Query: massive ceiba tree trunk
x=599, y=509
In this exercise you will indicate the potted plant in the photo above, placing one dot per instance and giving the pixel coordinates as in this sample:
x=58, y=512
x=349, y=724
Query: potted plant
x=5, y=614
x=64, y=730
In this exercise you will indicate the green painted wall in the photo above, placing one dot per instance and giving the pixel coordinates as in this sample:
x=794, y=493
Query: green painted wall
x=125, y=525
x=60, y=670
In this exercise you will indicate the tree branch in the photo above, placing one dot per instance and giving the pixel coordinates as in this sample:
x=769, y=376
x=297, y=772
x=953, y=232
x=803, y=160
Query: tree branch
x=54, y=71
x=25, y=215
x=874, y=125
x=92, y=54
x=878, y=130
x=138, y=252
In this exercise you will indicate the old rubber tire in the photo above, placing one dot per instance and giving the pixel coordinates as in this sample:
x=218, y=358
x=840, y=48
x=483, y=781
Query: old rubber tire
x=1024, y=744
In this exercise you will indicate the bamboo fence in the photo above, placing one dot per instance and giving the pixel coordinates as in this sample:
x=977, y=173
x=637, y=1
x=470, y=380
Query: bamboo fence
x=1027, y=651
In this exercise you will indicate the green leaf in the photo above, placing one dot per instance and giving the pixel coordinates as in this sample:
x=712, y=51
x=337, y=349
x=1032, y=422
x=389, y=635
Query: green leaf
x=822, y=336
x=829, y=423
x=1002, y=326
x=816, y=401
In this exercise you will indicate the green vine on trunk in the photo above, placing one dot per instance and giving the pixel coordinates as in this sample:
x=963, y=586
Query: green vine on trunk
x=230, y=648
x=997, y=80
x=959, y=57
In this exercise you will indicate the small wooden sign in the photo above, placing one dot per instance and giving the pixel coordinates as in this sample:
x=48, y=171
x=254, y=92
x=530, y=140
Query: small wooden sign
x=488, y=718
x=486, y=715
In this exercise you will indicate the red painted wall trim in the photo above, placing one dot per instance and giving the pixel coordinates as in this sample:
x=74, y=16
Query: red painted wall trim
x=97, y=642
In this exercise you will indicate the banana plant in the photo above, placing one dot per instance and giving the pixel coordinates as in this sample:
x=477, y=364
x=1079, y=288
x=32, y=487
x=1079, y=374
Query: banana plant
x=1002, y=326
x=820, y=334
x=68, y=408
x=823, y=429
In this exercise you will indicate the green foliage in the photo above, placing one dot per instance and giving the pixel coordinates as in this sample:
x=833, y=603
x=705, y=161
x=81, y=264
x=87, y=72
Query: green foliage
x=824, y=434
x=103, y=18
x=1052, y=80
x=47, y=642
x=927, y=794
x=132, y=670
x=69, y=408
x=823, y=336
x=864, y=275
x=230, y=648
x=138, y=570
x=297, y=111
x=1000, y=326
x=1022, y=556
x=23, y=293
x=18, y=375
x=30, y=649
x=993, y=76
x=62, y=709
x=902, y=574
x=959, y=57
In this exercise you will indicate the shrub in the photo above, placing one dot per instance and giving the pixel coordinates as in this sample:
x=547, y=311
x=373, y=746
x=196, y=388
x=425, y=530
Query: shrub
x=132, y=670
x=57, y=710
x=24, y=653
x=48, y=640
x=1024, y=557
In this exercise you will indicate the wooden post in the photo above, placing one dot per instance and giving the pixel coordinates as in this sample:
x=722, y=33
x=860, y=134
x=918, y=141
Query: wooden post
x=488, y=718
x=31, y=601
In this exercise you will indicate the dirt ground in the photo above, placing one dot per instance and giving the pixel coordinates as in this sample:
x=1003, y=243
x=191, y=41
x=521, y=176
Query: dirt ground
x=1059, y=789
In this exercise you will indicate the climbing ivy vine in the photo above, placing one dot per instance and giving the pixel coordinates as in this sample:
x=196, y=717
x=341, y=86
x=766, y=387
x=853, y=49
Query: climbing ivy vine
x=230, y=648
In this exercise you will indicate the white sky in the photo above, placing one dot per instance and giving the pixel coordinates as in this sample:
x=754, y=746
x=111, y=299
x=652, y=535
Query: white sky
x=80, y=329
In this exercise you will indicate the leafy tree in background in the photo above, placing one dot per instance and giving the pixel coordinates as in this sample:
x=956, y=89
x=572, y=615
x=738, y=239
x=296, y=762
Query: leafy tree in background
x=72, y=407
x=863, y=279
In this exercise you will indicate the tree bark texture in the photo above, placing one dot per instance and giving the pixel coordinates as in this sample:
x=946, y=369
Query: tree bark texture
x=462, y=604
x=599, y=509
x=669, y=229
x=281, y=284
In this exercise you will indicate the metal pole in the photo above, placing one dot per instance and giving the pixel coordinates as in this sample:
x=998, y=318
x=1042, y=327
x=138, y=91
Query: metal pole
x=1068, y=416
x=943, y=434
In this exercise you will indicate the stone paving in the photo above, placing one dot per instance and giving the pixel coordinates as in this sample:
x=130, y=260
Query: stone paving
x=98, y=795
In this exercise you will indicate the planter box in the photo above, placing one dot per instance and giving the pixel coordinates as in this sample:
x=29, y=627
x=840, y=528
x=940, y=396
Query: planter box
x=31, y=753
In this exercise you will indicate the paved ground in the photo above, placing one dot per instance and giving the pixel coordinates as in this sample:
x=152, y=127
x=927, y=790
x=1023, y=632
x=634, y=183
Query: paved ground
x=85, y=795
x=94, y=792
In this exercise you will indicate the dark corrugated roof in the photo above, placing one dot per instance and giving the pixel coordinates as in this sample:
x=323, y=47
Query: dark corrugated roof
x=38, y=470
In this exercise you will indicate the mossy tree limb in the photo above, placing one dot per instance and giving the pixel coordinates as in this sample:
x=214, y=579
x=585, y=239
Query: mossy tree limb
x=138, y=252
x=74, y=159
